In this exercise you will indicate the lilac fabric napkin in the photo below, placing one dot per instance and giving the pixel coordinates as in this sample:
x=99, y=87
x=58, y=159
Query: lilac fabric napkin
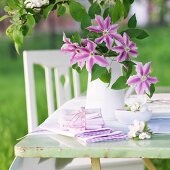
x=100, y=135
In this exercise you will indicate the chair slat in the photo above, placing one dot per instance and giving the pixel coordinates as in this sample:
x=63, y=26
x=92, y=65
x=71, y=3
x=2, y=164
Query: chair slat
x=30, y=93
x=63, y=92
x=76, y=81
x=49, y=90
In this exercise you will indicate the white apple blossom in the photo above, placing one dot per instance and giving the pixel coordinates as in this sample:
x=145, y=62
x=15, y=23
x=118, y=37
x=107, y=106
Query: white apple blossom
x=144, y=135
x=139, y=130
x=132, y=134
x=138, y=126
x=35, y=3
x=136, y=104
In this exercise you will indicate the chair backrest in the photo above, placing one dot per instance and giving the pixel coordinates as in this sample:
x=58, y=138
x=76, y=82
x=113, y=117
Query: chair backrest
x=49, y=59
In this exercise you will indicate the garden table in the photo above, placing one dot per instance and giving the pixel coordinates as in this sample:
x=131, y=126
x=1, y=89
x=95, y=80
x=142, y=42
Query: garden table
x=58, y=146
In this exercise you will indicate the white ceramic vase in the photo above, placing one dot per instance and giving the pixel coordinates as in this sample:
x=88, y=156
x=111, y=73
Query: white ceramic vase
x=99, y=95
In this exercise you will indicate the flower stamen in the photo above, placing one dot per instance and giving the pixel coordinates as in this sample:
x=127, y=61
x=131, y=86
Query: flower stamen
x=105, y=32
x=143, y=78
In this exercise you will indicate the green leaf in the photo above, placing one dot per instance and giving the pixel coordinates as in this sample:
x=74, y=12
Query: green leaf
x=152, y=90
x=76, y=38
x=61, y=10
x=76, y=67
x=106, y=12
x=116, y=11
x=120, y=83
x=4, y=17
x=18, y=36
x=30, y=20
x=131, y=1
x=25, y=29
x=9, y=31
x=128, y=67
x=47, y=10
x=77, y=10
x=126, y=7
x=94, y=10
x=17, y=47
x=136, y=33
x=7, y=9
x=132, y=22
x=85, y=23
x=106, y=76
x=97, y=72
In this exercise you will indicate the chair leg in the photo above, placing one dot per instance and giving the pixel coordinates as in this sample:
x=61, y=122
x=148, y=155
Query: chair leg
x=95, y=164
x=149, y=164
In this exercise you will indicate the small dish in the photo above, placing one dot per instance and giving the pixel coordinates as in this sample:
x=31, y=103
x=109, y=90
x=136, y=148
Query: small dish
x=128, y=117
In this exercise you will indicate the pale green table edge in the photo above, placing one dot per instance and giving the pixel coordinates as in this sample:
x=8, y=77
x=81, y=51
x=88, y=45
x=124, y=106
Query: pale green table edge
x=58, y=146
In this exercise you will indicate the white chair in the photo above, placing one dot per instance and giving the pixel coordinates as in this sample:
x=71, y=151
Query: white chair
x=54, y=59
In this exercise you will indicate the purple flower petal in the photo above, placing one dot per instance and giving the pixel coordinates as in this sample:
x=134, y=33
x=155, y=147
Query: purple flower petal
x=147, y=68
x=81, y=64
x=101, y=60
x=109, y=42
x=126, y=39
x=152, y=79
x=81, y=57
x=107, y=23
x=146, y=87
x=139, y=88
x=72, y=57
x=100, y=40
x=118, y=49
x=65, y=39
x=122, y=57
x=132, y=46
x=117, y=37
x=91, y=46
x=133, y=53
x=84, y=50
x=133, y=80
x=100, y=21
x=139, y=69
x=94, y=29
x=68, y=48
x=89, y=64
x=114, y=27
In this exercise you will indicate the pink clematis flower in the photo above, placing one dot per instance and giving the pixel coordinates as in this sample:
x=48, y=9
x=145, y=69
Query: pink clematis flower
x=125, y=48
x=109, y=32
x=73, y=49
x=89, y=55
x=142, y=80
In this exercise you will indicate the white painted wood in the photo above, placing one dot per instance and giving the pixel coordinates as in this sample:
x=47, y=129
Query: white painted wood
x=76, y=81
x=30, y=92
x=49, y=89
x=63, y=92
x=49, y=59
x=107, y=164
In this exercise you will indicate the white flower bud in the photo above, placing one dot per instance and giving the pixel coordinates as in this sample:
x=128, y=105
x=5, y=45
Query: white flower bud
x=144, y=135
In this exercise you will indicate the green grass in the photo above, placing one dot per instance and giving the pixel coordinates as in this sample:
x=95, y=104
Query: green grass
x=12, y=93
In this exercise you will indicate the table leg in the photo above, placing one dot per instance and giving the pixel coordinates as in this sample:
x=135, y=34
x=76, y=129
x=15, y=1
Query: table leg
x=95, y=164
x=149, y=164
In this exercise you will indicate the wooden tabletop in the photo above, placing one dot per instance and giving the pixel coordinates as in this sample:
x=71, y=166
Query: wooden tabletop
x=52, y=145
x=66, y=147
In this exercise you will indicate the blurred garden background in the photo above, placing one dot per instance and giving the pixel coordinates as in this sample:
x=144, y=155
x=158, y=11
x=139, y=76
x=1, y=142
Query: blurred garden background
x=153, y=15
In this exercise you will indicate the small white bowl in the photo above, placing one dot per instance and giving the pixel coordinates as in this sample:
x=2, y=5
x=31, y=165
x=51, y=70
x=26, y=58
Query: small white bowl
x=128, y=117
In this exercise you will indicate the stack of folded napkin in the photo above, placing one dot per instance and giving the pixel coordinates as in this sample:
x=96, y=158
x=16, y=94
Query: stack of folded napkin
x=100, y=135
x=83, y=119
x=86, y=125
